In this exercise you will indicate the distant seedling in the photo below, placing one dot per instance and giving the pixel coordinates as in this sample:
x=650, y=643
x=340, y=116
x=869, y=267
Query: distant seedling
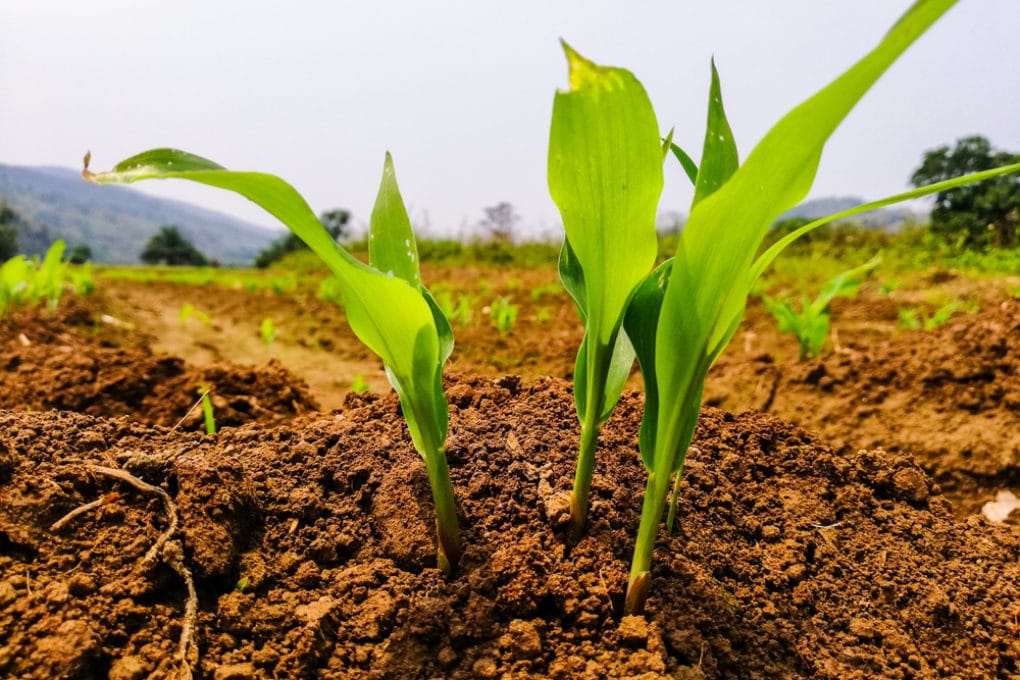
x=503, y=314
x=189, y=311
x=358, y=384
x=267, y=331
x=811, y=322
x=28, y=282
x=914, y=318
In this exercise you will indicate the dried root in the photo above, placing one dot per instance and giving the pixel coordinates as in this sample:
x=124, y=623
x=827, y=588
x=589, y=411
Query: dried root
x=171, y=552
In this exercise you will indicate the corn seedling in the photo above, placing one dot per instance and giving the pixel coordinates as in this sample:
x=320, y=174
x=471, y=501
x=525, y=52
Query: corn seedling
x=605, y=175
x=888, y=285
x=30, y=282
x=267, y=331
x=503, y=314
x=914, y=318
x=207, y=411
x=281, y=284
x=330, y=290
x=543, y=315
x=387, y=306
x=358, y=384
x=189, y=310
x=811, y=323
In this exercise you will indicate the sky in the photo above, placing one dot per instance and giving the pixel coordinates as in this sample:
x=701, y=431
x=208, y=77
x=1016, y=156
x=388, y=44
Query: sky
x=316, y=91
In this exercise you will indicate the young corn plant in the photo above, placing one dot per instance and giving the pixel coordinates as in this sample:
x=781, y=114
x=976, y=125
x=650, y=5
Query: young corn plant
x=387, y=306
x=680, y=317
x=267, y=331
x=811, y=323
x=605, y=176
x=503, y=314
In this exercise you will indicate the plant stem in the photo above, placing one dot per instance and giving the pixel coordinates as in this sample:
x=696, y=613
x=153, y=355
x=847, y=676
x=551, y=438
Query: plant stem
x=652, y=508
x=447, y=528
x=583, y=476
x=597, y=368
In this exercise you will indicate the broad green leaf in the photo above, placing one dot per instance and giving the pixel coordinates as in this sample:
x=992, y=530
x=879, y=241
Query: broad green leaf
x=391, y=245
x=719, y=158
x=605, y=175
x=707, y=292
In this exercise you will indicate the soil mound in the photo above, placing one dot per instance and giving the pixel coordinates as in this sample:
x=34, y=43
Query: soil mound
x=949, y=397
x=312, y=548
x=68, y=361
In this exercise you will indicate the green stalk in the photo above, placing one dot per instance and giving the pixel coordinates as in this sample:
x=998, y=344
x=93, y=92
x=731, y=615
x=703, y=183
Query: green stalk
x=447, y=528
x=640, y=580
x=597, y=369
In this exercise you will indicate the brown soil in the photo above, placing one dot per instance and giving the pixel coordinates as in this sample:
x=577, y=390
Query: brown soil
x=949, y=397
x=310, y=534
x=311, y=544
x=72, y=360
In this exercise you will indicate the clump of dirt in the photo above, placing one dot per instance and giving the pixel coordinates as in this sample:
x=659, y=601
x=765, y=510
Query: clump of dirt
x=949, y=397
x=312, y=545
x=69, y=360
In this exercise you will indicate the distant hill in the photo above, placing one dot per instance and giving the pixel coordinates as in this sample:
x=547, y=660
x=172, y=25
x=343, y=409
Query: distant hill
x=890, y=219
x=116, y=222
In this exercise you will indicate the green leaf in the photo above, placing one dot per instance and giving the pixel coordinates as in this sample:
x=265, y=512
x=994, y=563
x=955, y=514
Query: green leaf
x=844, y=284
x=708, y=288
x=605, y=175
x=719, y=158
x=769, y=256
x=686, y=162
x=391, y=245
x=640, y=323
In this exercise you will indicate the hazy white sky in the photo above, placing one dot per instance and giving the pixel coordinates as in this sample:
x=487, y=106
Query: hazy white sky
x=461, y=91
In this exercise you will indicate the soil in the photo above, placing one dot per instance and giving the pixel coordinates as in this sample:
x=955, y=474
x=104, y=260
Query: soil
x=73, y=360
x=310, y=538
x=312, y=548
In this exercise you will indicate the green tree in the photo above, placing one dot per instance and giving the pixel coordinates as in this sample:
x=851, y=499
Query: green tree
x=335, y=222
x=8, y=232
x=169, y=246
x=975, y=216
x=79, y=254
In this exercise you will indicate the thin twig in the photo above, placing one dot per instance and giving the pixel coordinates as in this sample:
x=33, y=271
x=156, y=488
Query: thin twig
x=190, y=411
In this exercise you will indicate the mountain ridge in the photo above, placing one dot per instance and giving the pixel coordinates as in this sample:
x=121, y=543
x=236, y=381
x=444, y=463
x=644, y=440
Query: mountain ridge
x=116, y=221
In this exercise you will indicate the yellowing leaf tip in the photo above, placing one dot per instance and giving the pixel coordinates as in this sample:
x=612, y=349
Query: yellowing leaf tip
x=583, y=72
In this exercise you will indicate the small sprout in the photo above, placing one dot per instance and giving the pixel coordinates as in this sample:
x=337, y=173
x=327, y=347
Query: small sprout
x=543, y=315
x=503, y=314
x=358, y=384
x=267, y=330
x=207, y=411
x=189, y=310
x=811, y=323
x=242, y=584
